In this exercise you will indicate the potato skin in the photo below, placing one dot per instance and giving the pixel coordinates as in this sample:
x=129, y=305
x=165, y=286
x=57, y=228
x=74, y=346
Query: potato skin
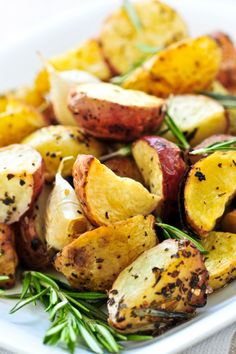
x=124, y=167
x=95, y=258
x=163, y=156
x=103, y=118
x=220, y=260
x=209, y=187
x=8, y=256
x=184, y=67
x=227, y=72
x=107, y=198
x=169, y=277
x=228, y=223
x=56, y=141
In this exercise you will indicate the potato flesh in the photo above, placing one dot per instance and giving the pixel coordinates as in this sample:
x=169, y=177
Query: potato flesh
x=95, y=259
x=124, y=167
x=185, y=67
x=107, y=198
x=170, y=276
x=209, y=188
x=161, y=25
x=18, y=165
x=8, y=256
x=57, y=141
x=221, y=259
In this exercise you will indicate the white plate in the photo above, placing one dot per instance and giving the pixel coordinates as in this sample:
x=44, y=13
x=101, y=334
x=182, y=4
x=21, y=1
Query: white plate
x=23, y=332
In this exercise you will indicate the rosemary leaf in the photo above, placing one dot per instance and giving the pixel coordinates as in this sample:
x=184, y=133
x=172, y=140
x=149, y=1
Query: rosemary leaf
x=120, y=79
x=132, y=14
x=145, y=48
x=124, y=151
x=227, y=145
x=228, y=101
x=27, y=301
x=4, y=277
x=169, y=121
x=138, y=337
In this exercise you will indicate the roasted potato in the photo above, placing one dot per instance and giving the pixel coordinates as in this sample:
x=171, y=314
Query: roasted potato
x=124, y=167
x=66, y=222
x=209, y=188
x=228, y=223
x=221, y=258
x=57, y=141
x=88, y=57
x=18, y=120
x=8, y=256
x=27, y=95
x=197, y=116
x=160, y=26
x=185, y=67
x=106, y=197
x=107, y=111
x=160, y=288
x=60, y=84
x=227, y=73
x=162, y=167
x=21, y=180
x=94, y=260
x=30, y=241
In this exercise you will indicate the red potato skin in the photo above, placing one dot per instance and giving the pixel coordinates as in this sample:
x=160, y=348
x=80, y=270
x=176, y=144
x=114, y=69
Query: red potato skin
x=108, y=120
x=124, y=167
x=227, y=72
x=173, y=169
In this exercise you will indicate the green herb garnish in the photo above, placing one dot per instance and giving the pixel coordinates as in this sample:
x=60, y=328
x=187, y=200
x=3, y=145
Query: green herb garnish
x=132, y=14
x=227, y=145
x=145, y=48
x=228, y=101
x=122, y=152
x=4, y=277
x=170, y=231
x=169, y=121
x=120, y=79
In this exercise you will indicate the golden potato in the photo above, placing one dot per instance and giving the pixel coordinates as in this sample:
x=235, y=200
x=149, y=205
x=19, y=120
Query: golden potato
x=184, y=67
x=160, y=288
x=110, y=112
x=210, y=186
x=57, y=141
x=88, y=57
x=221, y=259
x=17, y=120
x=124, y=167
x=28, y=95
x=106, y=197
x=160, y=26
x=94, y=260
x=197, y=116
x=8, y=256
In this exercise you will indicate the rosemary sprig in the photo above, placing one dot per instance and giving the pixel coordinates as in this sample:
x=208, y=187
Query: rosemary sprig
x=132, y=14
x=118, y=80
x=169, y=121
x=122, y=152
x=4, y=277
x=72, y=314
x=227, y=145
x=170, y=231
x=228, y=101
x=145, y=48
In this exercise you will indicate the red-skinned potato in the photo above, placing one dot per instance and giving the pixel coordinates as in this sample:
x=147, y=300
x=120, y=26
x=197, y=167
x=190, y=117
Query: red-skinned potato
x=162, y=166
x=106, y=197
x=21, y=180
x=110, y=112
x=8, y=256
x=30, y=240
x=124, y=167
x=227, y=72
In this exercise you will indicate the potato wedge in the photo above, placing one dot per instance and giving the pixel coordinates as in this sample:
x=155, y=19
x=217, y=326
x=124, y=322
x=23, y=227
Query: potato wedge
x=94, y=260
x=67, y=221
x=185, y=67
x=221, y=258
x=30, y=241
x=61, y=83
x=160, y=26
x=227, y=73
x=57, y=141
x=228, y=223
x=17, y=121
x=8, y=256
x=170, y=279
x=107, y=111
x=21, y=180
x=88, y=57
x=27, y=95
x=124, y=167
x=106, y=197
x=209, y=188
x=162, y=167
x=197, y=116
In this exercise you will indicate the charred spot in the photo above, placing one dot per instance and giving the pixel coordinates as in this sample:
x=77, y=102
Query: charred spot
x=111, y=301
x=174, y=274
x=194, y=281
x=35, y=243
x=10, y=176
x=22, y=182
x=99, y=260
x=200, y=176
x=74, y=275
x=219, y=165
x=186, y=254
x=114, y=291
x=8, y=200
x=106, y=215
x=79, y=256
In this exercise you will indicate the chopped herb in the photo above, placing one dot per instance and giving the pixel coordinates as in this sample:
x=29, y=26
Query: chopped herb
x=132, y=14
